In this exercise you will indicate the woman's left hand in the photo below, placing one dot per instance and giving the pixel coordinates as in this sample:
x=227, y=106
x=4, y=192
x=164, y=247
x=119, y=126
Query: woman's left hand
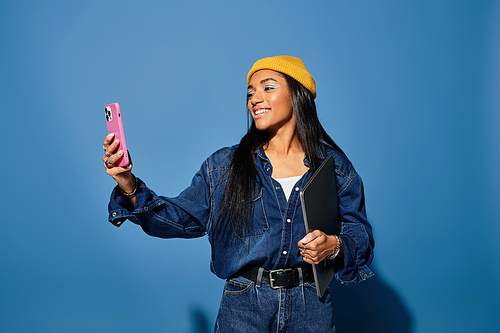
x=316, y=246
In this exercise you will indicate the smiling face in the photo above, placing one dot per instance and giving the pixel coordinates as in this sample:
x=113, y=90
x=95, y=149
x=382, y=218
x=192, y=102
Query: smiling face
x=269, y=101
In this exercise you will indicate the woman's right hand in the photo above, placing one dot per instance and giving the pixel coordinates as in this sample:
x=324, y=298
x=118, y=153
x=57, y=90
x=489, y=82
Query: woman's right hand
x=122, y=175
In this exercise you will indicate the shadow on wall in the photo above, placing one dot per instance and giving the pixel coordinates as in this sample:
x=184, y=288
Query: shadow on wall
x=371, y=306
x=199, y=321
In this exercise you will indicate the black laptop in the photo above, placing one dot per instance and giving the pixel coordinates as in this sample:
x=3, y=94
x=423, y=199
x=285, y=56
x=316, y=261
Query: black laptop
x=320, y=205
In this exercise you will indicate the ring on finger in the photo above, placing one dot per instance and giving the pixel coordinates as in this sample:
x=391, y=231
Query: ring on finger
x=108, y=165
x=106, y=151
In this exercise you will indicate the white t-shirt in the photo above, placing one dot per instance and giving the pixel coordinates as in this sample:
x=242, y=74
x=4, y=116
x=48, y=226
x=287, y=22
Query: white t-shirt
x=287, y=184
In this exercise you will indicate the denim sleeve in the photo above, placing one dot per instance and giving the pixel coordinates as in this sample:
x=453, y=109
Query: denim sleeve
x=185, y=216
x=356, y=234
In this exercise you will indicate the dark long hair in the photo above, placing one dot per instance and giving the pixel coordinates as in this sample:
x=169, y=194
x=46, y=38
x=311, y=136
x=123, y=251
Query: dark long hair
x=242, y=179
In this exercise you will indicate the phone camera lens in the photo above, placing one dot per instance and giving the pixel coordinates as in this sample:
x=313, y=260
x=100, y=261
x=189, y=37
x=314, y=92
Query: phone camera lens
x=107, y=111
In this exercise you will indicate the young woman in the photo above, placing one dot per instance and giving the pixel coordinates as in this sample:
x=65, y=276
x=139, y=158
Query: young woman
x=246, y=199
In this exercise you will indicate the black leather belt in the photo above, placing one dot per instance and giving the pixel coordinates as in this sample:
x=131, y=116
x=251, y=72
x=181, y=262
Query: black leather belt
x=279, y=278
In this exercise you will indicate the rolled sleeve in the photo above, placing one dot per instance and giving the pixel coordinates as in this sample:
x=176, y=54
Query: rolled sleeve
x=356, y=234
x=185, y=216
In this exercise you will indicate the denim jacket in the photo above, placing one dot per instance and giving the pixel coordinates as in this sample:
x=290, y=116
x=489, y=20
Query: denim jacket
x=278, y=224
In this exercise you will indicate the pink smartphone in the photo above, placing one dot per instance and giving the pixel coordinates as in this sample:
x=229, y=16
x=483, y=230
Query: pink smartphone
x=115, y=125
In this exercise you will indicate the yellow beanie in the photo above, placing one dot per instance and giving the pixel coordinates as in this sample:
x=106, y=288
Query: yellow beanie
x=291, y=66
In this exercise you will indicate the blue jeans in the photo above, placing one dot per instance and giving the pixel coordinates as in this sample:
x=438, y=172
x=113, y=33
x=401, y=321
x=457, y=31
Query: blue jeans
x=248, y=306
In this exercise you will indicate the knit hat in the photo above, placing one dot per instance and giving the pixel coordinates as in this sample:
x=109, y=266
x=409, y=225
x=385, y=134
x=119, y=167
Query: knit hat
x=291, y=66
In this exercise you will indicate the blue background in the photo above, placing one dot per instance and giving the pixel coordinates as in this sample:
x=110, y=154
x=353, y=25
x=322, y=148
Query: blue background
x=408, y=89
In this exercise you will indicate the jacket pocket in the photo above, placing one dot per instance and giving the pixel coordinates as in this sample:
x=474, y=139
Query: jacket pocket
x=258, y=222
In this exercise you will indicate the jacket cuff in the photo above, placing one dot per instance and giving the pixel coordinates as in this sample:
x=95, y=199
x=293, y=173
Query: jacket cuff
x=120, y=209
x=356, y=257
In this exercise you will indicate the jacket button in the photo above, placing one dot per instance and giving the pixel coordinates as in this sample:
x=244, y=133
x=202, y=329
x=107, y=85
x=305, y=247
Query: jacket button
x=277, y=187
x=284, y=252
x=114, y=214
x=297, y=188
x=288, y=220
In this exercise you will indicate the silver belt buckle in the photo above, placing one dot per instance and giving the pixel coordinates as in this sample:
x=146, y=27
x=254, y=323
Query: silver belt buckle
x=271, y=280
